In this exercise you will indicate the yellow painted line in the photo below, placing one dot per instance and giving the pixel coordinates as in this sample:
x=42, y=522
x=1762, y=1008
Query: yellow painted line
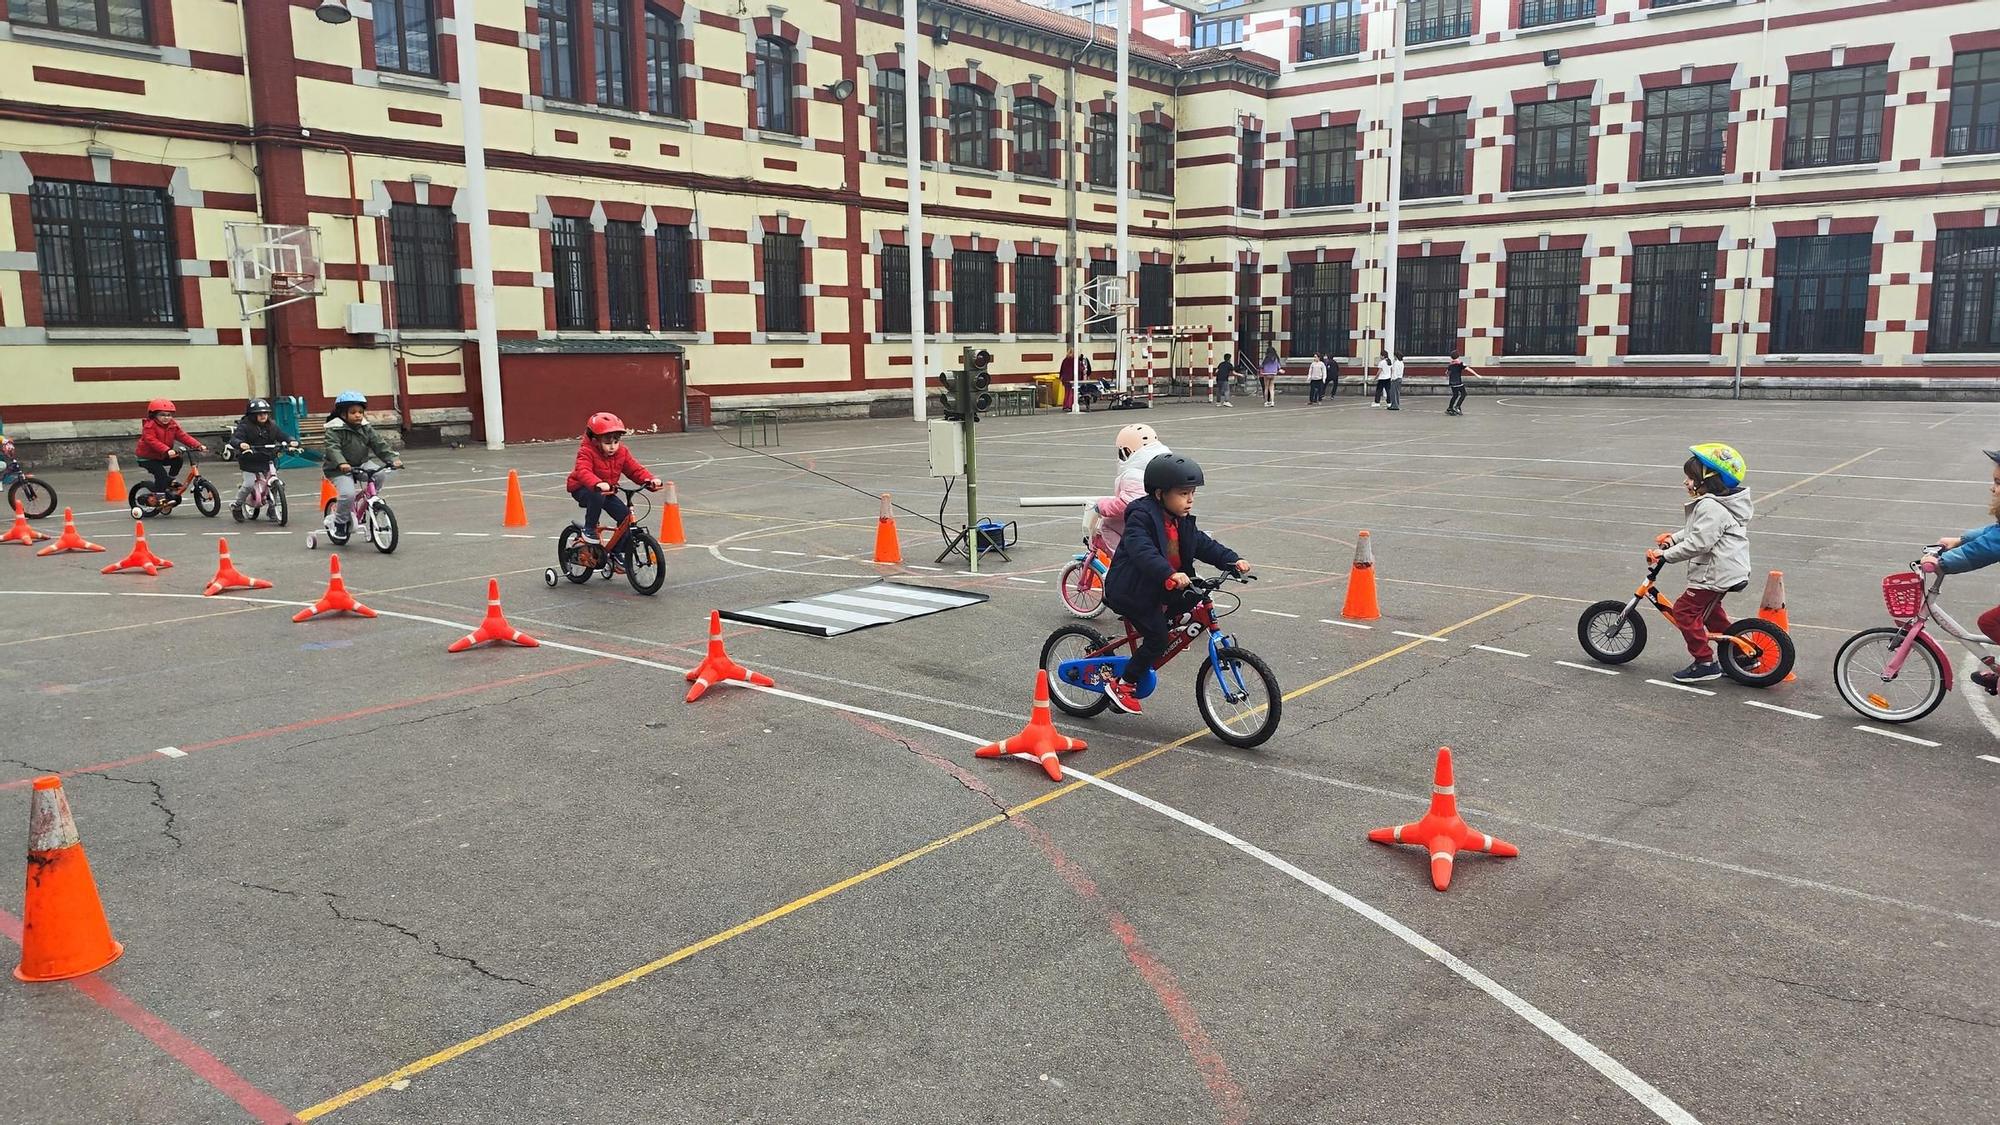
x=428, y=1062
x=134, y=625
x=1827, y=472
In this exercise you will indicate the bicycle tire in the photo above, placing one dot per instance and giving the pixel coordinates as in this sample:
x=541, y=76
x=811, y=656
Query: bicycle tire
x=35, y=496
x=1213, y=681
x=382, y=529
x=278, y=504
x=1082, y=594
x=142, y=499
x=207, y=500
x=1769, y=639
x=570, y=558
x=1073, y=699
x=1601, y=617
x=1858, y=676
x=642, y=551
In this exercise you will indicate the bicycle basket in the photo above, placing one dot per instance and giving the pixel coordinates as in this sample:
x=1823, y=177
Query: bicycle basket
x=1904, y=593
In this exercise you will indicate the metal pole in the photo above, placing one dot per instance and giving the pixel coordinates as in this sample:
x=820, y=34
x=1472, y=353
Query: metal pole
x=913, y=170
x=1124, y=175
x=972, y=540
x=480, y=233
x=1750, y=240
x=1395, y=145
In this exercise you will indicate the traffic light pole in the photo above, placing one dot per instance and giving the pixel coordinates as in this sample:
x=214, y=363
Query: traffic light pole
x=973, y=540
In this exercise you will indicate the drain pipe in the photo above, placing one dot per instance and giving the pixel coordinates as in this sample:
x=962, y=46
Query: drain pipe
x=1750, y=211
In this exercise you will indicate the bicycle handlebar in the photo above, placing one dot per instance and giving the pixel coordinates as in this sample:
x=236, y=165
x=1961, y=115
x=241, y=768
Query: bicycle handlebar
x=1216, y=582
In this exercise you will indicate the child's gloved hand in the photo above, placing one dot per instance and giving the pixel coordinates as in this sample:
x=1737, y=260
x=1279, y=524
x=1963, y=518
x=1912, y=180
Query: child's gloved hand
x=655, y=485
x=604, y=487
x=1949, y=541
x=1663, y=538
x=1652, y=556
x=1242, y=566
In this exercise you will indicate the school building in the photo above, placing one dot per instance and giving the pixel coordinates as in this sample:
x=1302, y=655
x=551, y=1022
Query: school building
x=697, y=205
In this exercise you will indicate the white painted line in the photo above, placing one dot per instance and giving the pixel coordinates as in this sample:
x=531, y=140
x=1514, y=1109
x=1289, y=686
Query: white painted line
x=794, y=554
x=834, y=558
x=168, y=534
x=1344, y=624
x=1274, y=613
x=468, y=535
x=215, y=534
x=1782, y=710
x=1417, y=636
x=1588, y=668
x=288, y=533
x=1501, y=651
x=1989, y=758
x=911, y=566
x=171, y=752
x=1680, y=687
x=1029, y=581
x=1898, y=736
x=752, y=550
x=517, y=535
x=423, y=533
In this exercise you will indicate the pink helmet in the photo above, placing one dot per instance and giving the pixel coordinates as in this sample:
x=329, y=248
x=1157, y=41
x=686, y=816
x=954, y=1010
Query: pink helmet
x=1135, y=437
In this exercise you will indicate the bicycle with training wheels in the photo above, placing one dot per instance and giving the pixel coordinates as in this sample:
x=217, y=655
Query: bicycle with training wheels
x=1753, y=652
x=267, y=488
x=1236, y=692
x=630, y=550
x=373, y=516
x=35, y=496
x=1899, y=673
x=149, y=503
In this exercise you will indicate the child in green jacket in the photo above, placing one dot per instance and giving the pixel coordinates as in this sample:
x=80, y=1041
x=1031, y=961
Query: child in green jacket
x=351, y=443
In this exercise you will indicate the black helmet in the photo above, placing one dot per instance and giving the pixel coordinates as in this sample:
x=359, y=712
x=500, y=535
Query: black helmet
x=258, y=406
x=1170, y=471
x=1994, y=454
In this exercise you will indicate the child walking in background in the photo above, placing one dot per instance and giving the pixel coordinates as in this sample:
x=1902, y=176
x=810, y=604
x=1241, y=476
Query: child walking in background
x=1454, y=374
x=1978, y=547
x=1714, y=541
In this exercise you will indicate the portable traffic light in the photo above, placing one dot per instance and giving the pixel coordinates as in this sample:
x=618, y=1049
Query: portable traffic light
x=975, y=361
x=954, y=394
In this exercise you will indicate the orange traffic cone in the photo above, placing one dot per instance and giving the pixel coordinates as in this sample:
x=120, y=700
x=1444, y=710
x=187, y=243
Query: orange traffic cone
x=517, y=512
x=671, y=532
x=717, y=668
x=887, y=548
x=1772, y=609
x=336, y=599
x=495, y=627
x=114, y=481
x=141, y=558
x=227, y=577
x=22, y=532
x=326, y=493
x=1361, y=604
x=1442, y=831
x=63, y=931
x=1039, y=739
x=69, y=540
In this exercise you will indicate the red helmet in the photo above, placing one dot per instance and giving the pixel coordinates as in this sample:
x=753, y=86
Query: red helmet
x=160, y=404
x=604, y=422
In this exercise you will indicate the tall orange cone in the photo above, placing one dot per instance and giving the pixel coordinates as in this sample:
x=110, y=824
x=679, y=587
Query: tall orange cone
x=1039, y=739
x=141, y=558
x=326, y=492
x=1361, y=604
x=63, y=931
x=1442, y=831
x=517, y=512
x=717, y=668
x=227, y=577
x=114, y=481
x=69, y=540
x=336, y=599
x=671, y=532
x=495, y=627
x=1772, y=609
x=887, y=548
x=22, y=532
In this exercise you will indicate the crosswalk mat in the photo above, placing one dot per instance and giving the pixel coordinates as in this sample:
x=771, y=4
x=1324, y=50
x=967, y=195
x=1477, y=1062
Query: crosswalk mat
x=863, y=607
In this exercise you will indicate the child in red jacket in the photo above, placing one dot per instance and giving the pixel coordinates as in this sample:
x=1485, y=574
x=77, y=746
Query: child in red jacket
x=157, y=436
x=601, y=460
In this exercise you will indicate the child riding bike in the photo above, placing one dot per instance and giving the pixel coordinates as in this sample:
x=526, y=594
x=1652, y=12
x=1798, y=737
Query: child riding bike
x=1136, y=446
x=1154, y=566
x=1715, y=543
x=158, y=435
x=352, y=443
x=1978, y=547
x=252, y=437
x=601, y=461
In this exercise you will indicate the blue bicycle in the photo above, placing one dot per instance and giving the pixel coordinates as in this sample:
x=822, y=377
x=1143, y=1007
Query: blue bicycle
x=1236, y=692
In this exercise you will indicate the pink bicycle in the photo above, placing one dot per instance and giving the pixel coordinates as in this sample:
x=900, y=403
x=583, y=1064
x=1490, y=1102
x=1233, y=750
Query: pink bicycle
x=1899, y=673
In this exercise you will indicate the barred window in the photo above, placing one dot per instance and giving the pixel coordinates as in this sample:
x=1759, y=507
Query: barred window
x=558, y=49
x=675, y=246
x=1250, y=169
x=1035, y=294
x=971, y=126
x=1251, y=320
x=974, y=292
x=1975, y=103
x=1326, y=166
x=1965, y=291
x=423, y=250
x=1541, y=13
x=574, y=264
x=105, y=255
x=1224, y=31
x=1320, y=308
x=1542, y=302
x=1328, y=31
x=1034, y=138
x=1835, y=116
x=1427, y=305
x=663, y=66
x=1100, y=269
x=1156, y=158
x=890, y=133
x=107, y=19
x=774, y=86
x=1552, y=144
x=1433, y=156
x=1673, y=299
x=1433, y=21
x=1156, y=296
x=1685, y=131
x=1103, y=149
x=896, y=290
x=784, y=284
x=1819, y=298
x=625, y=274
x=607, y=24
x=404, y=36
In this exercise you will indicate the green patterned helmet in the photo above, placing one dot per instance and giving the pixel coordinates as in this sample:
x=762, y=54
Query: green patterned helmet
x=1723, y=461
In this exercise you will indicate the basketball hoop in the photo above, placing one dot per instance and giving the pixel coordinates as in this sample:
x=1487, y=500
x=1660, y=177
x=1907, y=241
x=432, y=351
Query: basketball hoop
x=285, y=285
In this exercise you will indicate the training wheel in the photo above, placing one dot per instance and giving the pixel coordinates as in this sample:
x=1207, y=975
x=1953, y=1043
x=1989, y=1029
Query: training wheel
x=549, y=577
x=312, y=541
x=138, y=513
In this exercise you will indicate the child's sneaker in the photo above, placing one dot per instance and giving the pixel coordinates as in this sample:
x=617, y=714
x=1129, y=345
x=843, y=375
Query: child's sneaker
x=1698, y=673
x=1987, y=680
x=1122, y=700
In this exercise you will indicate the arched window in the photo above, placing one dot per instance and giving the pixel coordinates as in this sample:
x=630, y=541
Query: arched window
x=891, y=132
x=1156, y=158
x=971, y=126
x=1103, y=149
x=663, y=53
x=774, y=86
x=1034, y=138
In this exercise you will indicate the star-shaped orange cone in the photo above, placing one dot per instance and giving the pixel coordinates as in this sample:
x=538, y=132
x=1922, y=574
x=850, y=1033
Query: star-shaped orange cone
x=1442, y=832
x=1039, y=739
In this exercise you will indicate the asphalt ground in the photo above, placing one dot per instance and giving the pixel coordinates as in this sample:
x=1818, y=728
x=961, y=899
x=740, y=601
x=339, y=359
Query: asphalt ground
x=383, y=883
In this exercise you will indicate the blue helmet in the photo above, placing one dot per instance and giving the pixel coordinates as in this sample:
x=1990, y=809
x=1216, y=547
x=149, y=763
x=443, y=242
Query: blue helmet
x=350, y=398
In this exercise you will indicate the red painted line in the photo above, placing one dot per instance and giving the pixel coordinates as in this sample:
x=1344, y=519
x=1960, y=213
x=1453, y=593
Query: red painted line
x=258, y=1104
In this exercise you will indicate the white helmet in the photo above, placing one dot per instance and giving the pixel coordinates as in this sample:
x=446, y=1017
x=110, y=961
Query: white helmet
x=1135, y=437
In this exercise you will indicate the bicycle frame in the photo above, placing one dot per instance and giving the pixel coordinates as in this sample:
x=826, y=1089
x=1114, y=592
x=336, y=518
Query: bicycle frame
x=619, y=543
x=1915, y=633
x=1201, y=620
x=1649, y=591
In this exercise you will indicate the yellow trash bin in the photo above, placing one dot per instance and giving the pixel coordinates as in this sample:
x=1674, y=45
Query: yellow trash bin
x=1049, y=390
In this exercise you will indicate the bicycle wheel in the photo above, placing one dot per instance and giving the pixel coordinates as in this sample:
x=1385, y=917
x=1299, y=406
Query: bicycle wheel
x=207, y=500
x=1080, y=698
x=143, y=501
x=1605, y=638
x=1082, y=593
x=1238, y=697
x=1859, y=671
x=34, y=495
x=645, y=566
x=277, y=505
x=382, y=527
x=1757, y=668
x=236, y=512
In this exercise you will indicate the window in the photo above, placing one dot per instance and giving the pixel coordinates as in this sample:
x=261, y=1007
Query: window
x=1975, y=103
x=1156, y=296
x=1541, y=13
x=106, y=255
x=890, y=133
x=971, y=126
x=1965, y=291
x=1103, y=149
x=607, y=24
x=1427, y=306
x=1433, y=21
x=575, y=271
x=1319, y=308
x=1326, y=166
x=784, y=288
x=423, y=249
x=676, y=254
x=1034, y=138
x=1102, y=269
x=774, y=86
x=111, y=19
x=1552, y=144
x=403, y=42
x=1685, y=130
x=558, y=48
x=1328, y=31
x=1835, y=117
x=1819, y=299
x=896, y=290
x=1249, y=170
x=1542, y=302
x=1035, y=294
x=1156, y=158
x=1221, y=32
x=973, y=293
x=1251, y=320
x=1433, y=157
x=625, y=273
x=663, y=63
x=1673, y=299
